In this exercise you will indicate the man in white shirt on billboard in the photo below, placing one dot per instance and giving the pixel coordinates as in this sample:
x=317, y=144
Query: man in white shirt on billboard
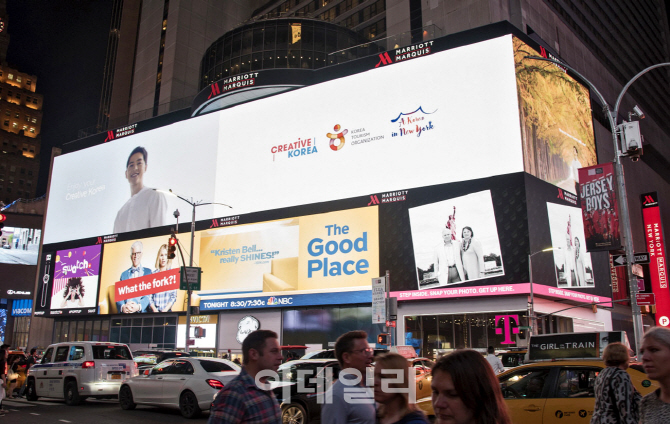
x=146, y=207
x=495, y=362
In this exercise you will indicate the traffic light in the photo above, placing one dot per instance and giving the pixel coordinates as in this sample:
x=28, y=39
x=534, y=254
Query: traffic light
x=2, y=222
x=172, y=247
x=384, y=339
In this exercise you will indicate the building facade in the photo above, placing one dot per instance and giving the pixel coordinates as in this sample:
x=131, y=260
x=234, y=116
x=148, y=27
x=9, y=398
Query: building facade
x=21, y=112
x=431, y=316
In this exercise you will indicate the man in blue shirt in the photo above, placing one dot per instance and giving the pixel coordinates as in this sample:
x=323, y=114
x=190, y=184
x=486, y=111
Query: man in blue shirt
x=134, y=304
x=353, y=401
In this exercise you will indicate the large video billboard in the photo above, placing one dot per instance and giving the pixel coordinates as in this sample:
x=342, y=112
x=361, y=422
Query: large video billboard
x=415, y=168
x=421, y=119
x=556, y=122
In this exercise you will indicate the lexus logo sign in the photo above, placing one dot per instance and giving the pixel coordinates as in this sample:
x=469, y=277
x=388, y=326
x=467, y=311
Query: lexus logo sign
x=11, y=292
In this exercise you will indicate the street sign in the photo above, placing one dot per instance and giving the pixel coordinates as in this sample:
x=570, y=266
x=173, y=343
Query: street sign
x=190, y=276
x=393, y=317
x=641, y=258
x=390, y=324
x=645, y=299
x=638, y=258
x=191, y=342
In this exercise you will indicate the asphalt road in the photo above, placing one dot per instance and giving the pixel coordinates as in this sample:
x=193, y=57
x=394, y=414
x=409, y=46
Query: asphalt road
x=51, y=411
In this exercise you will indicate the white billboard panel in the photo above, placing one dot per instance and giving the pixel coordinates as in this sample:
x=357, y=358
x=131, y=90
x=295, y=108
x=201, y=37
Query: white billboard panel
x=426, y=121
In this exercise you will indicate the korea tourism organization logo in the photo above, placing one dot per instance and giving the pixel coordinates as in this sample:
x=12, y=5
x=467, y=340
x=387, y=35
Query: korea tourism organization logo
x=337, y=139
x=413, y=124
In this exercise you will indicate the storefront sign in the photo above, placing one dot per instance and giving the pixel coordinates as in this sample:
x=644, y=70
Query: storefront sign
x=653, y=232
x=22, y=307
x=597, y=190
x=508, y=321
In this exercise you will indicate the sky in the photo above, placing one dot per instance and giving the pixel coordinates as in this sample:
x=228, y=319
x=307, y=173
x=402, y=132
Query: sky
x=64, y=44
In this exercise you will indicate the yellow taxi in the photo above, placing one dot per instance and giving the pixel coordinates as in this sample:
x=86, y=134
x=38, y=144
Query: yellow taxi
x=556, y=391
x=560, y=392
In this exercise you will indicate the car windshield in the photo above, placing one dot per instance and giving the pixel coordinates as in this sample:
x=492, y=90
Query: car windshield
x=111, y=352
x=216, y=366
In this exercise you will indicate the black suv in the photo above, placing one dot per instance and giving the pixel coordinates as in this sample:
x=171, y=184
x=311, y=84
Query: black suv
x=147, y=359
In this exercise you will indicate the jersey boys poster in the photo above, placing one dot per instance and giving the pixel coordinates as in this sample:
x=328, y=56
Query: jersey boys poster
x=598, y=193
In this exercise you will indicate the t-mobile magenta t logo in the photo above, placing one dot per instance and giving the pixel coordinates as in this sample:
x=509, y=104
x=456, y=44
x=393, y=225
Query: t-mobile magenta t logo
x=507, y=326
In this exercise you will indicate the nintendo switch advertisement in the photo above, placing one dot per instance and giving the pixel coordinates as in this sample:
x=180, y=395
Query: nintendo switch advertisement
x=69, y=283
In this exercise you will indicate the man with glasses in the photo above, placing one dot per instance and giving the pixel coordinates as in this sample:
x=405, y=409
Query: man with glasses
x=350, y=400
x=134, y=304
x=146, y=207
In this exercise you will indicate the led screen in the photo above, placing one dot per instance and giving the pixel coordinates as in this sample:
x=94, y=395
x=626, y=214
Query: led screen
x=69, y=281
x=330, y=185
x=455, y=241
x=556, y=123
x=138, y=277
x=19, y=246
x=412, y=124
x=573, y=262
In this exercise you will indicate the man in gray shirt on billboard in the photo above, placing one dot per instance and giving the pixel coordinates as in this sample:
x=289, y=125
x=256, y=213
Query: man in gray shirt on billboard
x=351, y=402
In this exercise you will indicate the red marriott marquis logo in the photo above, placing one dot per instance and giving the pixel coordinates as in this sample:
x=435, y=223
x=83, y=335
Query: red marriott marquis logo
x=384, y=59
x=110, y=136
x=373, y=200
x=648, y=199
x=215, y=91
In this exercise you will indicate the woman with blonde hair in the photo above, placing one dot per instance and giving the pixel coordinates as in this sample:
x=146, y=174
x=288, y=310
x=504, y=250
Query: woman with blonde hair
x=655, y=351
x=393, y=386
x=617, y=401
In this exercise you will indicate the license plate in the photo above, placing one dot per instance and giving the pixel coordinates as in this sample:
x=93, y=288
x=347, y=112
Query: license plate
x=116, y=376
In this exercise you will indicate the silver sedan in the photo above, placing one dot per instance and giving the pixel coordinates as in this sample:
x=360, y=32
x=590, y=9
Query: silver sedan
x=187, y=384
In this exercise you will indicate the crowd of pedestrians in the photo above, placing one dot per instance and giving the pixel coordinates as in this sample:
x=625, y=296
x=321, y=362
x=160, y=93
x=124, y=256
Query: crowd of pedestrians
x=465, y=389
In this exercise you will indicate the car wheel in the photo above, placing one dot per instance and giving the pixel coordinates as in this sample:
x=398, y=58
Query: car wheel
x=72, y=397
x=31, y=393
x=293, y=414
x=188, y=405
x=126, y=398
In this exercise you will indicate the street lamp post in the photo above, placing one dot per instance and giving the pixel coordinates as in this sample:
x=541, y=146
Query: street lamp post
x=612, y=116
x=531, y=304
x=193, y=204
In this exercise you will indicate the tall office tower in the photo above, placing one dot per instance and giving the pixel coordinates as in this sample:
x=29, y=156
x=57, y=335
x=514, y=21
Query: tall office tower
x=20, y=122
x=155, y=47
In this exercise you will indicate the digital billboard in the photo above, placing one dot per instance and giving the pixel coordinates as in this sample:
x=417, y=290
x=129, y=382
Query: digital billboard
x=330, y=185
x=422, y=117
x=19, y=246
x=69, y=282
x=138, y=277
x=556, y=123
x=573, y=262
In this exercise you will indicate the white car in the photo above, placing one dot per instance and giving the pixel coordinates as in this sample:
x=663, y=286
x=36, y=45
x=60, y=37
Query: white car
x=187, y=384
x=75, y=371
